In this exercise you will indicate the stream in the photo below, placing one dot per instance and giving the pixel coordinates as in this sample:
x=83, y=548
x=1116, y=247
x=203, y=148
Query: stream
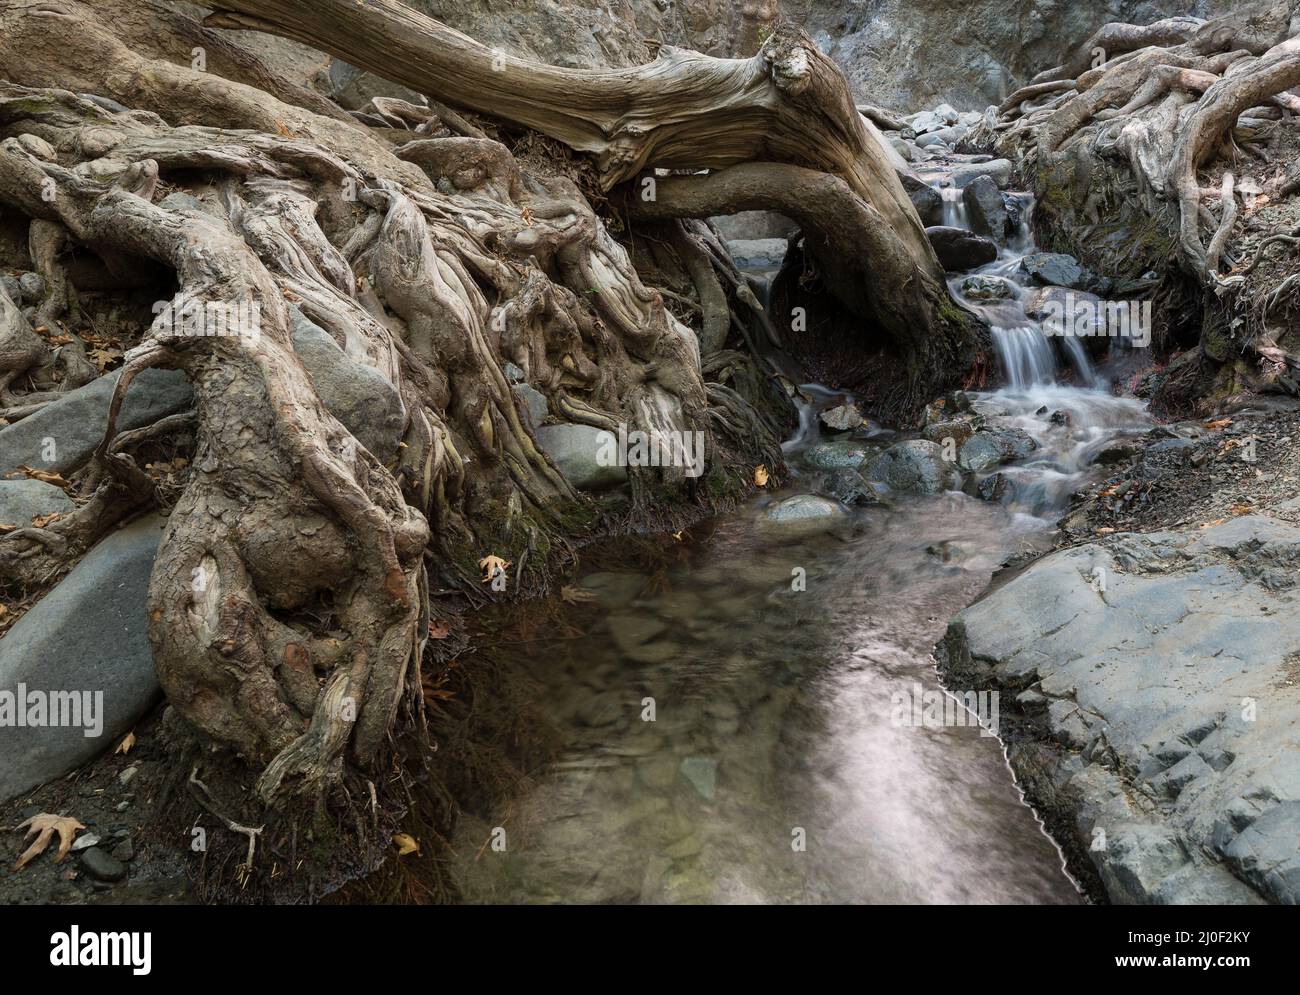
x=774, y=767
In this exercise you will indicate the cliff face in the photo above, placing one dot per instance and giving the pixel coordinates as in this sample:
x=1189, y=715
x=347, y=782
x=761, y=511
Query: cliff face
x=904, y=54
x=970, y=53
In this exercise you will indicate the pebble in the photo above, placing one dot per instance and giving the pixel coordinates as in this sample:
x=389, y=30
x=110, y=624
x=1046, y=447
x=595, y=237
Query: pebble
x=102, y=866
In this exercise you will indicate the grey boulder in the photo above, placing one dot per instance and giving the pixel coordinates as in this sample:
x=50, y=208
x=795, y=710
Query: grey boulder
x=63, y=434
x=959, y=249
x=22, y=500
x=914, y=467
x=576, y=450
x=357, y=395
x=85, y=639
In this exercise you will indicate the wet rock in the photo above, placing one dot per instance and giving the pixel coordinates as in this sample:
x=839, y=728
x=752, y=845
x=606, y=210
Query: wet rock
x=992, y=447
x=575, y=450
x=913, y=467
x=22, y=500
x=997, y=487
x=987, y=288
x=99, y=865
x=805, y=510
x=1176, y=648
x=837, y=454
x=1056, y=269
x=842, y=418
x=758, y=253
x=357, y=395
x=701, y=773
x=613, y=589
x=948, y=137
x=631, y=629
x=999, y=170
x=984, y=207
x=1118, y=453
x=86, y=636
x=959, y=249
x=63, y=434
x=124, y=851
x=925, y=198
x=1061, y=308
x=851, y=488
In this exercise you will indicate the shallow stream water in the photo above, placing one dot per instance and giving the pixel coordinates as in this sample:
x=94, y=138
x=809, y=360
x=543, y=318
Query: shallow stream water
x=774, y=766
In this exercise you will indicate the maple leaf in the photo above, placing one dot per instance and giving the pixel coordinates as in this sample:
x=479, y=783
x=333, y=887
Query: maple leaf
x=128, y=741
x=47, y=825
x=575, y=595
x=439, y=629
x=760, y=476
x=102, y=357
x=405, y=844
x=490, y=565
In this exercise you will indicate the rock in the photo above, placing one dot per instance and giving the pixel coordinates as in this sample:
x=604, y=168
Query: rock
x=63, y=434
x=124, y=852
x=837, y=454
x=1118, y=453
x=1063, y=309
x=805, y=511
x=957, y=429
x=959, y=249
x=575, y=450
x=746, y=226
x=944, y=136
x=999, y=170
x=12, y=289
x=987, y=288
x=925, y=198
x=534, y=404
x=632, y=629
x=758, y=253
x=991, y=447
x=23, y=499
x=1055, y=269
x=357, y=395
x=947, y=114
x=33, y=287
x=997, y=487
x=701, y=773
x=87, y=636
x=1169, y=654
x=926, y=121
x=913, y=467
x=613, y=589
x=984, y=207
x=84, y=842
x=100, y=865
x=903, y=147
x=354, y=88
x=851, y=488
x=842, y=418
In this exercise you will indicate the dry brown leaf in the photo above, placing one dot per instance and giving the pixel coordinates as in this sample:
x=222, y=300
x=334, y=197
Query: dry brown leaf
x=575, y=595
x=439, y=629
x=46, y=477
x=760, y=476
x=490, y=565
x=1105, y=530
x=128, y=741
x=1214, y=426
x=406, y=843
x=40, y=521
x=47, y=825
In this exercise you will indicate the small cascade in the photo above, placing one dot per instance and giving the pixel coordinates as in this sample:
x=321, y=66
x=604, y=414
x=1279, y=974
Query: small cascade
x=954, y=208
x=1025, y=356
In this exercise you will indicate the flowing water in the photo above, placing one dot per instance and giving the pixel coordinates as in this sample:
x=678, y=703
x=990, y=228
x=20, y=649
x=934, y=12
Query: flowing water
x=731, y=724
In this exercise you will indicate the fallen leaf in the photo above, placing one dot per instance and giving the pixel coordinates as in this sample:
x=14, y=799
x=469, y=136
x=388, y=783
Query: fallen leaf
x=760, y=476
x=46, y=477
x=40, y=521
x=1105, y=530
x=1214, y=426
x=439, y=629
x=491, y=565
x=575, y=595
x=405, y=844
x=47, y=825
x=128, y=741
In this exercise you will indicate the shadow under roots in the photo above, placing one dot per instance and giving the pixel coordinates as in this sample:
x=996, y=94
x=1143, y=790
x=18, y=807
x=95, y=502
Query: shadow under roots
x=842, y=350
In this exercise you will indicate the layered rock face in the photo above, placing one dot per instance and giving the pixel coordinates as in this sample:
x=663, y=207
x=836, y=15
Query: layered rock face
x=1158, y=682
